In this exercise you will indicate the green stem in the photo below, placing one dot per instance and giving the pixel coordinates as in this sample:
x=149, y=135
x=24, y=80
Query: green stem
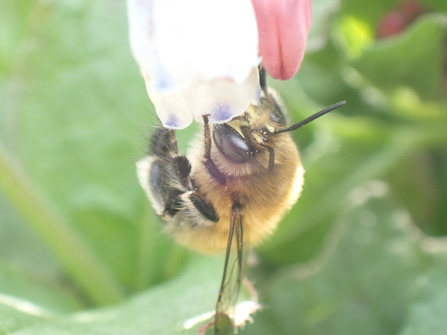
x=76, y=257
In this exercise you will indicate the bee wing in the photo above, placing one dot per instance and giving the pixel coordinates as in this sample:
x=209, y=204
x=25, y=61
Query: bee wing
x=231, y=278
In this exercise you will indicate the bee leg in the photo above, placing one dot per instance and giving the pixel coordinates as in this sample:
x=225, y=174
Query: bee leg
x=209, y=163
x=162, y=171
x=175, y=166
x=165, y=198
x=263, y=79
x=204, y=207
x=161, y=144
x=271, y=151
x=182, y=168
x=264, y=87
x=173, y=140
x=183, y=171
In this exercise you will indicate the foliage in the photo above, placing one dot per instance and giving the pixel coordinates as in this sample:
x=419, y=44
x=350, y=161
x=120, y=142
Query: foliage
x=363, y=251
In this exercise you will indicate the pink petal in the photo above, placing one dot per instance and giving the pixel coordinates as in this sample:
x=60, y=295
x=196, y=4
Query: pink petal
x=283, y=26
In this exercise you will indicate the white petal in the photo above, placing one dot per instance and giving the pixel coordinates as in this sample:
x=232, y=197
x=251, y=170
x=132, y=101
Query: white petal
x=224, y=99
x=197, y=57
x=243, y=312
x=173, y=108
x=141, y=34
x=205, y=39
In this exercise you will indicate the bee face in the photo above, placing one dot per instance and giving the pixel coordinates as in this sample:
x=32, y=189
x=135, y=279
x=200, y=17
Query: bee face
x=242, y=161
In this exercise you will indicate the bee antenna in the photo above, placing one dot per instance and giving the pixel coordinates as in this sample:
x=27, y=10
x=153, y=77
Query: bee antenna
x=311, y=118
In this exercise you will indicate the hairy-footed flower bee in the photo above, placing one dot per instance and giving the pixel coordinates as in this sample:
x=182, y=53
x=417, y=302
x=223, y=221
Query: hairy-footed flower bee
x=231, y=190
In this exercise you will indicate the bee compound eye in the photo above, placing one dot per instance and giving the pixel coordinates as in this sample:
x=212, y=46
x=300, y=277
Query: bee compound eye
x=232, y=144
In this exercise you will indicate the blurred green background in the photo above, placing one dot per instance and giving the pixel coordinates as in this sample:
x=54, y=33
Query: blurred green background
x=362, y=252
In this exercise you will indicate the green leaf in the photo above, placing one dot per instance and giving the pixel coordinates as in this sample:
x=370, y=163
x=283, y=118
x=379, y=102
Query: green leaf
x=47, y=292
x=427, y=312
x=65, y=242
x=17, y=314
x=363, y=280
x=426, y=203
x=414, y=59
x=162, y=310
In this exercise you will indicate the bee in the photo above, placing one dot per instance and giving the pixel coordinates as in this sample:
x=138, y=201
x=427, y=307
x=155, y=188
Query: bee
x=231, y=190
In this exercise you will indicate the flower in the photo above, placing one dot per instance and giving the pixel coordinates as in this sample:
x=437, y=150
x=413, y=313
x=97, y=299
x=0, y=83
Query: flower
x=197, y=57
x=283, y=28
x=201, y=57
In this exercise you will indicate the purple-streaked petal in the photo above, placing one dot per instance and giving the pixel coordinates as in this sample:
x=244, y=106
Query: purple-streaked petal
x=221, y=99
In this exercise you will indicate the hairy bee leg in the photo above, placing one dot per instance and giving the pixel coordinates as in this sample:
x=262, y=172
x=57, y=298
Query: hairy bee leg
x=204, y=207
x=173, y=140
x=161, y=170
x=207, y=136
x=161, y=143
x=183, y=172
x=181, y=163
x=166, y=198
x=209, y=163
x=264, y=87
x=271, y=151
